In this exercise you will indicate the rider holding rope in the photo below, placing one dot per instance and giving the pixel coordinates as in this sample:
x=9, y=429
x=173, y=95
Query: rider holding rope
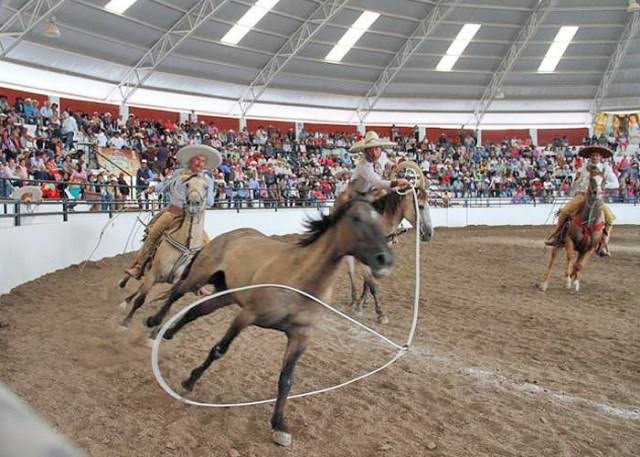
x=608, y=180
x=193, y=161
x=368, y=174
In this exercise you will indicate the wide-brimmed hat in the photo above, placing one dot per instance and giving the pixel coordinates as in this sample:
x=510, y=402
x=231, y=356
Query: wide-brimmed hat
x=28, y=194
x=371, y=140
x=187, y=153
x=589, y=150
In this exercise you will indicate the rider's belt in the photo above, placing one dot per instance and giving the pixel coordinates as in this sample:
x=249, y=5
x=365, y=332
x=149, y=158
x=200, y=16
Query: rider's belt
x=175, y=210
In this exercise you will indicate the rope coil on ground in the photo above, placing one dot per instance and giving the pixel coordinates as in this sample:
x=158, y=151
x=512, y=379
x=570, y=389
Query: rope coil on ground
x=402, y=350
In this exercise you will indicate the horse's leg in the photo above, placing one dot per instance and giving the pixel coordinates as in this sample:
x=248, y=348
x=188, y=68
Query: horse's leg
x=351, y=268
x=140, y=295
x=570, y=249
x=207, y=307
x=373, y=288
x=579, y=265
x=297, y=343
x=123, y=282
x=241, y=322
x=545, y=281
x=191, y=283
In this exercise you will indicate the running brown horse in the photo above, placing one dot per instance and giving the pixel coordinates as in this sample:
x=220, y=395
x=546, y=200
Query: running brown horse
x=582, y=235
x=245, y=256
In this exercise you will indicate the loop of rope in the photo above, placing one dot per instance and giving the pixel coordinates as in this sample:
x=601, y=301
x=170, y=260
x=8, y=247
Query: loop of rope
x=402, y=350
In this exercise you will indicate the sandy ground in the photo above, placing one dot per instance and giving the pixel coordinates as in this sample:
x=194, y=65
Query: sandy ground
x=498, y=368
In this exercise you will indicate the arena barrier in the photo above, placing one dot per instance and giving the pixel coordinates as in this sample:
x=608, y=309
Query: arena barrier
x=43, y=244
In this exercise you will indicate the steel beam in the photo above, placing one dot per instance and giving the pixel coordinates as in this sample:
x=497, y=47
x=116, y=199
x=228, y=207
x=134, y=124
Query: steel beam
x=436, y=15
x=24, y=21
x=136, y=76
x=528, y=30
x=318, y=19
x=629, y=32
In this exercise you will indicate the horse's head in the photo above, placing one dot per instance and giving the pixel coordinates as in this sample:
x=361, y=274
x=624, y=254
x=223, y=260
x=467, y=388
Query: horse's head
x=409, y=212
x=360, y=232
x=196, y=188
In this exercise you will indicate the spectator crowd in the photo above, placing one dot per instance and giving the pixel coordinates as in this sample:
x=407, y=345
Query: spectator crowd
x=39, y=143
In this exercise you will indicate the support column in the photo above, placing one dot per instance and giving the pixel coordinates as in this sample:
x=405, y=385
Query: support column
x=183, y=117
x=478, y=137
x=422, y=133
x=362, y=130
x=298, y=129
x=243, y=122
x=533, y=133
x=124, y=111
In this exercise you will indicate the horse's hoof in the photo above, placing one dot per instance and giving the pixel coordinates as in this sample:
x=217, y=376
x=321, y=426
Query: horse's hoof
x=123, y=328
x=576, y=286
x=180, y=390
x=383, y=319
x=152, y=321
x=186, y=387
x=282, y=438
x=543, y=286
x=150, y=342
x=123, y=304
x=168, y=335
x=568, y=283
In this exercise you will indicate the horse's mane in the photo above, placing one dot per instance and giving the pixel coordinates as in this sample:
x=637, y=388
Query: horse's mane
x=316, y=227
x=390, y=201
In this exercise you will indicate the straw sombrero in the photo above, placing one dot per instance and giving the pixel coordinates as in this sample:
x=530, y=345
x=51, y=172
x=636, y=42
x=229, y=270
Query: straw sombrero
x=589, y=150
x=28, y=194
x=371, y=140
x=184, y=155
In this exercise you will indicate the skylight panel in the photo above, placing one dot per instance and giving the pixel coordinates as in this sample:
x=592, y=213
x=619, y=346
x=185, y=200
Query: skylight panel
x=248, y=21
x=462, y=40
x=351, y=36
x=557, y=49
x=119, y=6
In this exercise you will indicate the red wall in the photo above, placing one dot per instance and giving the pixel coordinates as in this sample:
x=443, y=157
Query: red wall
x=575, y=136
x=153, y=114
x=385, y=130
x=12, y=94
x=433, y=133
x=283, y=126
x=496, y=136
x=223, y=123
x=329, y=128
x=88, y=107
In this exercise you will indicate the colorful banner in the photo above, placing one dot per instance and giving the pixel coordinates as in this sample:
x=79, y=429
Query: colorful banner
x=110, y=159
x=618, y=126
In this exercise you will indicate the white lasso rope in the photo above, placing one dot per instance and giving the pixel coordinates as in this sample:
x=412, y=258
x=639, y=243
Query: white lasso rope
x=401, y=349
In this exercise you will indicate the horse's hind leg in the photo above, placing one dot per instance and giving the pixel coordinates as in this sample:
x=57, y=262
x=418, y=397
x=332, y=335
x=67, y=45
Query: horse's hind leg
x=296, y=345
x=545, y=280
x=241, y=322
x=137, y=303
x=211, y=305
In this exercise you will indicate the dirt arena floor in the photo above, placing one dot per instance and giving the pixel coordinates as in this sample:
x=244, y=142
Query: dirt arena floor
x=498, y=367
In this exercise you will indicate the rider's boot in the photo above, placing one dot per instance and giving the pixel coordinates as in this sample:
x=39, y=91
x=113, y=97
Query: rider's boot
x=557, y=237
x=603, y=248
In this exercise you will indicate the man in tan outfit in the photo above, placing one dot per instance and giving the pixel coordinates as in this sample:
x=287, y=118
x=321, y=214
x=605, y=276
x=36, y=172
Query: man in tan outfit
x=193, y=160
x=607, y=179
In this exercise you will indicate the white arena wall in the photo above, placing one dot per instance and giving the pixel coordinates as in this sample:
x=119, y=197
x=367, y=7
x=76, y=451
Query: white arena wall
x=43, y=244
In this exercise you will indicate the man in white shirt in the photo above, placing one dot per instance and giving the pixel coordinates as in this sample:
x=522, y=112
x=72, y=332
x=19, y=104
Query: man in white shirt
x=68, y=129
x=367, y=175
x=605, y=177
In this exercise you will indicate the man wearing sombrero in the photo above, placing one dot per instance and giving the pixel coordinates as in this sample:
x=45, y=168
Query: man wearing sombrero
x=193, y=160
x=367, y=175
x=608, y=180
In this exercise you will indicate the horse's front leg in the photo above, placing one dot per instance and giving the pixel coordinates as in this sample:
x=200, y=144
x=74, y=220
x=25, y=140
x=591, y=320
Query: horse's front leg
x=351, y=268
x=242, y=321
x=545, y=280
x=296, y=345
x=373, y=288
x=570, y=250
x=579, y=265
